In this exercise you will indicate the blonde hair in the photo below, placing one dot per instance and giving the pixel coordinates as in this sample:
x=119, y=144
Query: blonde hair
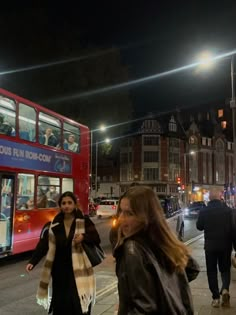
x=147, y=208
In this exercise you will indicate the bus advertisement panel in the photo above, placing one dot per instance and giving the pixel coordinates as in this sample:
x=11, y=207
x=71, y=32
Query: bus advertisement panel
x=42, y=154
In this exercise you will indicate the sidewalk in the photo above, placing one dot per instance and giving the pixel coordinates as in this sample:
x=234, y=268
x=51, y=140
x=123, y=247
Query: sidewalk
x=106, y=303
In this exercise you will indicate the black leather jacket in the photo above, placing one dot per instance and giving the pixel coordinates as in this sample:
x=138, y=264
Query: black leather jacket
x=146, y=288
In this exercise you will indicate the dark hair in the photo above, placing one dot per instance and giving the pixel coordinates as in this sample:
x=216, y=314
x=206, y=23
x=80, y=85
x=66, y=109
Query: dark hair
x=67, y=194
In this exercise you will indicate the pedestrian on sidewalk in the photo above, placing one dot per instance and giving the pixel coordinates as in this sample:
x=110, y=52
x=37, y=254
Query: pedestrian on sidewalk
x=73, y=281
x=150, y=260
x=216, y=222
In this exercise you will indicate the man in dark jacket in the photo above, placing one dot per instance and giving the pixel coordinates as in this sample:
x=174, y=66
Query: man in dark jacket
x=216, y=222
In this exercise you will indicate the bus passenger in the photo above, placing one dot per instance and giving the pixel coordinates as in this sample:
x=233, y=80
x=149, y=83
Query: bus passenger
x=53, y=195
x=73, y=282
x=49, y=138
x=30, y=203
x=41, y=199
x=72, y=145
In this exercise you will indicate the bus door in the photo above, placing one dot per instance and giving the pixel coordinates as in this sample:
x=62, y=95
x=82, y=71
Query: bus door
x=6, y=211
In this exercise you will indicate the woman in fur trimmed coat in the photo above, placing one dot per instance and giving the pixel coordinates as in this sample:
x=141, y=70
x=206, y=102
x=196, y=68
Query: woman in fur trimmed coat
x=73, y=283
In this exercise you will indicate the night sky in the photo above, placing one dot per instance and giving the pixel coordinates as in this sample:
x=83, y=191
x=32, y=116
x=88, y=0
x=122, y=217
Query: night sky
x=152, y=37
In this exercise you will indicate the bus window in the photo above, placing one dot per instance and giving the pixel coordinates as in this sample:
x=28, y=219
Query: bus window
x=67, y=184
x=25, y=192
x=7, y=117
x=48, y=191
x=49, y=130
x=27, y=118
x=71, y=138
x=42, y=201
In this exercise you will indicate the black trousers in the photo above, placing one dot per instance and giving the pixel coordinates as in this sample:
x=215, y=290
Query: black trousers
x=222, y=260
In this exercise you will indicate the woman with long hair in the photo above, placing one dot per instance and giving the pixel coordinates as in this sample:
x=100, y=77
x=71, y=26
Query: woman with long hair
x=73, y=282
x=150, y=260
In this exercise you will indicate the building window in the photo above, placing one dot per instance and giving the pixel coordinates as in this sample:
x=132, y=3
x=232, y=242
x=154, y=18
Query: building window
x=224, y=124
x=208, y=116
x=229, y=145
x=151, y=156
x=172, y=124
x=161, y=188
x=193, y=167
x=124, y=158
x=209, y=167
x=124, y=174
x=220, y=113
x=173, y=142
x=173, y=157
x=151, y=140
x=209, y=142
x=151, y=174
x=204, y=141
x=220, y=162
x=204, y=166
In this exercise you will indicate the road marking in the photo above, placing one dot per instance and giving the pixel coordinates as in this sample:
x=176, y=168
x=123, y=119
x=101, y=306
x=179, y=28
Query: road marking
x=113, y=285
x=108, y=288
x=194, y=239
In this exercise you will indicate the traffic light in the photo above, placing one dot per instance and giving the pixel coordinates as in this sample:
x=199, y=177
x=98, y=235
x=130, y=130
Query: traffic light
x=178, y=180
x=93, y=186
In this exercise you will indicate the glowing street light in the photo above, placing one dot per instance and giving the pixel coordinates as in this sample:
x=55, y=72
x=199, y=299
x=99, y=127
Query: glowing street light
x=206, y=60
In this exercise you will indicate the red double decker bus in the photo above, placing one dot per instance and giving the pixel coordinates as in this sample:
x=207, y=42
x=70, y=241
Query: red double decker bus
x=42, y=154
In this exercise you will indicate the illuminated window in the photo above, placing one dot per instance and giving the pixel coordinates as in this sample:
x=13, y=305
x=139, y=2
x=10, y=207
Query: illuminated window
x=223, y=124
x=220, y=113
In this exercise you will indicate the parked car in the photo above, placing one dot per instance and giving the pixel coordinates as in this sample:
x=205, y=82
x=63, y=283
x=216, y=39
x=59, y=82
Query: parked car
x=173, y=213
x=107, y=208
x=193, y=209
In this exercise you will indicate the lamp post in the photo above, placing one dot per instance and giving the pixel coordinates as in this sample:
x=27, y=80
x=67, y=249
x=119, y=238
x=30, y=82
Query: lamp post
x=101, y=128
x=107, y=140
x=207, y=60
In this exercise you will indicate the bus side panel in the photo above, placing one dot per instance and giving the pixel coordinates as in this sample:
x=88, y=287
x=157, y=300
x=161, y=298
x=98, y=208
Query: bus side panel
x=28, y=226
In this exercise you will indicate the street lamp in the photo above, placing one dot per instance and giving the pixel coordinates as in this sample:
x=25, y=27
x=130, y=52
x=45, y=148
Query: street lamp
x=107, y=140
x=185, y=173
x=102, y=128
x=209, y=60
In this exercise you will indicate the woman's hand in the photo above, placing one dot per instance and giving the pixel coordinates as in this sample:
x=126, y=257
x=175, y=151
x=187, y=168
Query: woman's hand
x=29, y=267
x=78, y=238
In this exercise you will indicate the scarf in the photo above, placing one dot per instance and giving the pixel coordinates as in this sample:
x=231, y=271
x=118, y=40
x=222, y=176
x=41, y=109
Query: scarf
x=83, y=271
